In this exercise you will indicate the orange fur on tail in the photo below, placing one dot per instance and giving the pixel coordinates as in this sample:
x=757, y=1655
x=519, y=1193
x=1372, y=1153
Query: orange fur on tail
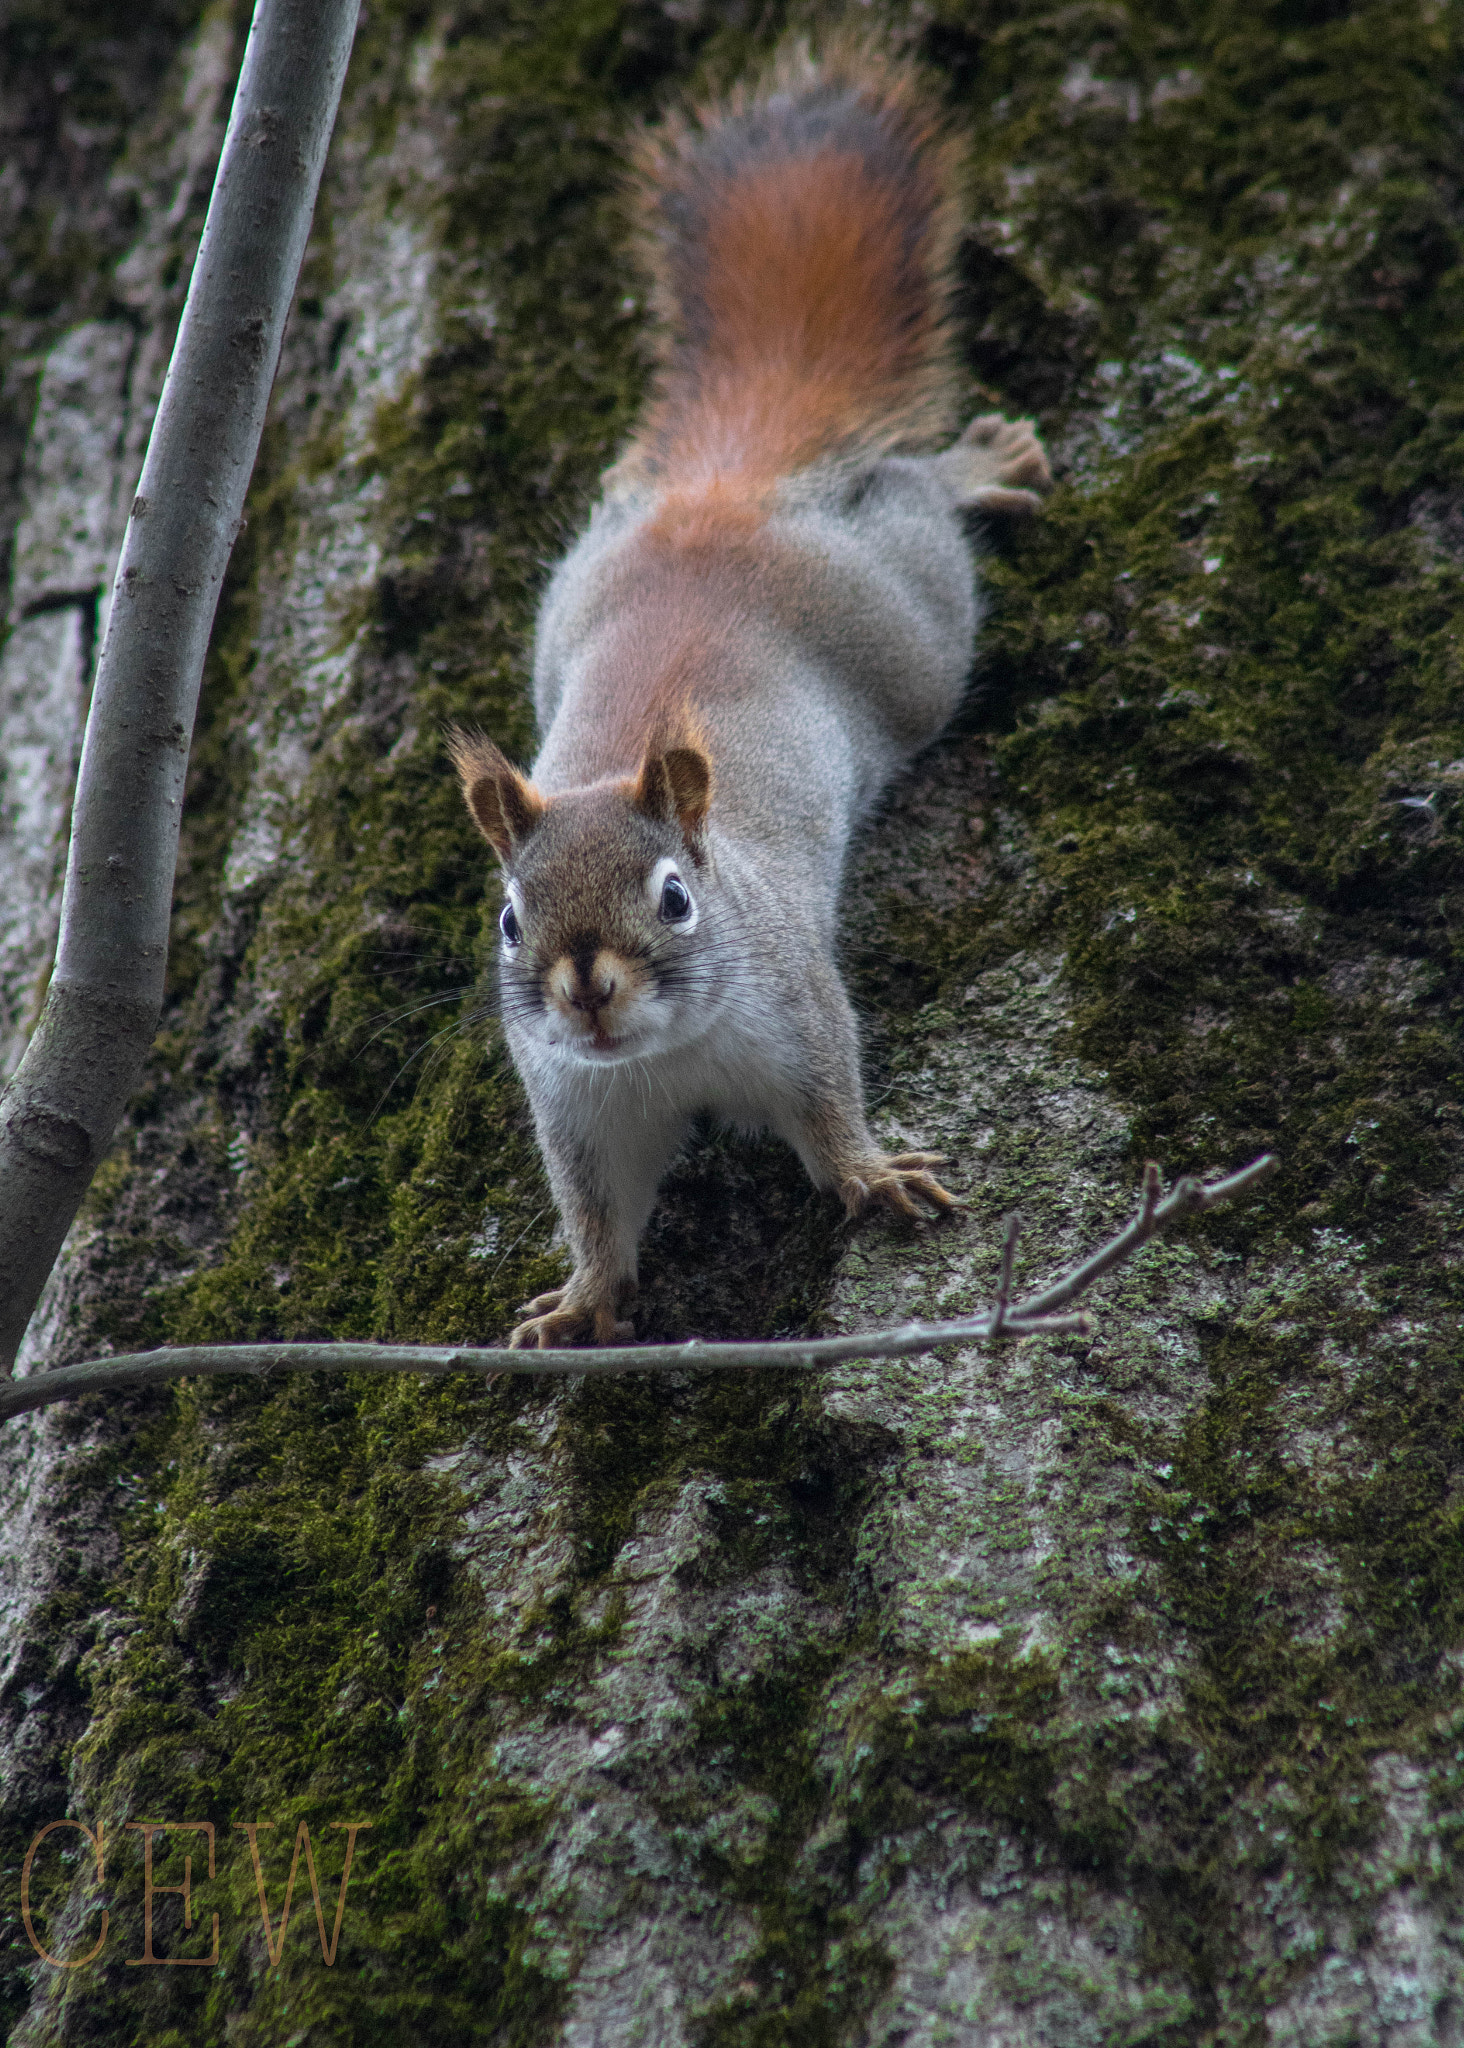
x=799, y=236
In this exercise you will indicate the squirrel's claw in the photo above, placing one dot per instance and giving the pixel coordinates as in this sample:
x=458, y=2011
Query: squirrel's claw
x=548, y=1325
x=892, y=1179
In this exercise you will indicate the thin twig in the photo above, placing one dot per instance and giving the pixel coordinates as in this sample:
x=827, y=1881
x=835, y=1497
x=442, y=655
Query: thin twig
x=1004, y=1284
x=1184, y=1196
x=1038, y=1316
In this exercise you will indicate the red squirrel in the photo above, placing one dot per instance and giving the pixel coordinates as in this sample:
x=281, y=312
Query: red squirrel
x=772, y=608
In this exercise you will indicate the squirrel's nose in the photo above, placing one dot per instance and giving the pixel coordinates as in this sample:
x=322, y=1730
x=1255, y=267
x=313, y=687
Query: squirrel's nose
x=585, y=985
x=593, y=995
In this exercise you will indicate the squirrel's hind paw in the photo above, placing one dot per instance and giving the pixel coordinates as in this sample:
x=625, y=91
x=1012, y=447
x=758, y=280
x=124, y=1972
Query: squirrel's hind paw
x=998, y=465
x=548, y=1325
x=892, y=1179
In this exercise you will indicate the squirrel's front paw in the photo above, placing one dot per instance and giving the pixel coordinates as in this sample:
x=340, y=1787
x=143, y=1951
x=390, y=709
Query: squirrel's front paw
x=892, y=1179
x=552, y=1321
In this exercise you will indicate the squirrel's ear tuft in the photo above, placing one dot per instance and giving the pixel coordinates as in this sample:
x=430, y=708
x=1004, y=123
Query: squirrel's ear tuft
x=676, y=782
x=504, y=807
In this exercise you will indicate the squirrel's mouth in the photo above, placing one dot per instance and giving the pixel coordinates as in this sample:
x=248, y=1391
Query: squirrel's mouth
x=596, y=1047
x=601, y=1050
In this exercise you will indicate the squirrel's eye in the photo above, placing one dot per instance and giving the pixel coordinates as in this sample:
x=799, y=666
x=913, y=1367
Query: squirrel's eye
x=675, y=900
x=509, y=925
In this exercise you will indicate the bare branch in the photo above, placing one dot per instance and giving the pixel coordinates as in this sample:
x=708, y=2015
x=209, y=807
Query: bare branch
x=59, y=1112
x=1037, y=1316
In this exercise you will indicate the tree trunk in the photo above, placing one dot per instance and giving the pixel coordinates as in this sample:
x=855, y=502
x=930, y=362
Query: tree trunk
x=1074, y=1691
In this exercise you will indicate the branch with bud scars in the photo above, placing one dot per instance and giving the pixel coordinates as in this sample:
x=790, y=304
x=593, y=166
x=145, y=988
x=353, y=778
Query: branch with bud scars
x=1042, y=1314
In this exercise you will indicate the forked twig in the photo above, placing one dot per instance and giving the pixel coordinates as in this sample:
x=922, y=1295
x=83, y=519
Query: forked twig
x=1040, y=1315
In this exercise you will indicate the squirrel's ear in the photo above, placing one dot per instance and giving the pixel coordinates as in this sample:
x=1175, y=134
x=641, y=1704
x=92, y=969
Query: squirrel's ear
x=676, y=782
x=504, y=807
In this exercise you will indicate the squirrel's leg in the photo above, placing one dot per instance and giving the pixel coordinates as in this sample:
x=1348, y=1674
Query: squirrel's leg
x=606, y=1154
x=828, y=1130
x=998, y=465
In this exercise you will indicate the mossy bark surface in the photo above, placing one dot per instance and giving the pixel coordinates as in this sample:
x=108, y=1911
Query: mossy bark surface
x=1077, y=1692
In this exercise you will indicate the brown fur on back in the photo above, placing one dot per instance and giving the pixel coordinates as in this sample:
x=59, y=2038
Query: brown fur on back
x=686, y=582
x=799, y=235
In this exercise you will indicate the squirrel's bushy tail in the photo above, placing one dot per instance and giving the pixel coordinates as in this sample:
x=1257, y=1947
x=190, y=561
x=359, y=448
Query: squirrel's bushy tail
x=799, y=235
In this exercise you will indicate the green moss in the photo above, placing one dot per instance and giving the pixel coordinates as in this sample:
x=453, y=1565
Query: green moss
x=310, y=1561
x=1231, y=672
x=814, y=1973
x=970, y=1728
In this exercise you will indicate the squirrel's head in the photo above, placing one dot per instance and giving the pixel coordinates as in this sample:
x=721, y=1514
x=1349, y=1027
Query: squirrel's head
x=605, y=950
